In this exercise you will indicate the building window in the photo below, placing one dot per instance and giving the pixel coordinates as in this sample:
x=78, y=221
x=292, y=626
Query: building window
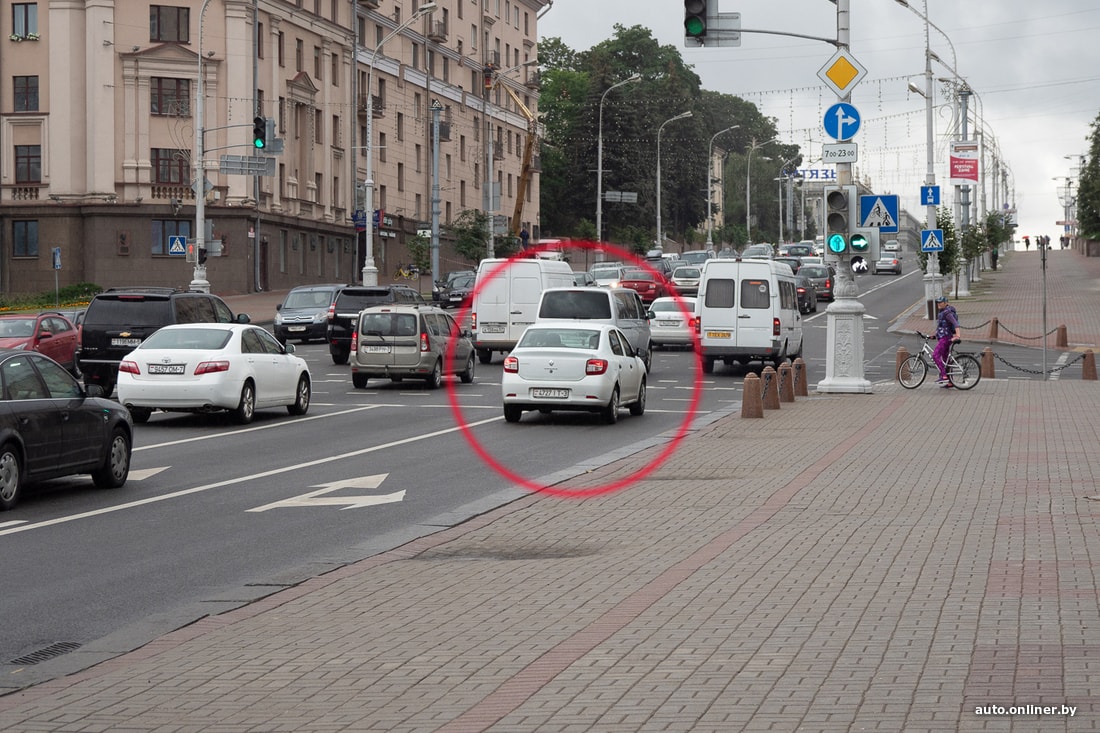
x=260, y=40
x=419, y=203
x=169, y=24
x=318, y=127
x=462, y=194
x=335, y=75
x=336, y=139
x=24, y=19
x=26, y=93
x=417, y=153
x=381, y=147
x=282, y=49
x=170, y=97
x=400, y=176
x=24, y=238
x=462, y=148
x=318, y=63
x=165, y=228
x=170, y=166
x=28, y=163
x=299, y=55
x=400, y=127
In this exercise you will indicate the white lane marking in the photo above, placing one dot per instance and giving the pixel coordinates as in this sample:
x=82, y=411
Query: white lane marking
x=240, y=479
x=316, y=498
x=13, y=523
x=144, y=473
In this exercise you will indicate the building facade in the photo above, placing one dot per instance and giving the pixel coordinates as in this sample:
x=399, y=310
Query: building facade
x=98, y=135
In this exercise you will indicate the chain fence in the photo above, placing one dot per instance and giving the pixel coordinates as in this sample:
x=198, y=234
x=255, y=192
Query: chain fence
x=1052, y=370
x=1027, y=338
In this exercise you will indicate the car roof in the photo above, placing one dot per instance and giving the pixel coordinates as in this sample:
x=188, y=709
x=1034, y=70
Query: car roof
x=559, y=323
x=206, y=326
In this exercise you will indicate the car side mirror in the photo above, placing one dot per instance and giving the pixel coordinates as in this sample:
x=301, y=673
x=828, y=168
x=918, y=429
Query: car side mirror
x=288, y=348
x=94, y=390
x=649, y=315
x=279, y=307
x=243, y=318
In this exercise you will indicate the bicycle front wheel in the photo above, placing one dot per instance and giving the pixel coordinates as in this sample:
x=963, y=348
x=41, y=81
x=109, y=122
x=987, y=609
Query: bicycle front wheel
x=965, y=372
x=912, y=372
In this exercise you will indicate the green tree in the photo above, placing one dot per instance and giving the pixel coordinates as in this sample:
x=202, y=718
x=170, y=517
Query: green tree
x=1088, y=192
x=420, y=253
x=949, y=257
x=471, y=232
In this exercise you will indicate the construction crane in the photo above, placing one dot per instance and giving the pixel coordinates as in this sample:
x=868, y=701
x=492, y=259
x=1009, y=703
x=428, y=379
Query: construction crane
x=527, y=162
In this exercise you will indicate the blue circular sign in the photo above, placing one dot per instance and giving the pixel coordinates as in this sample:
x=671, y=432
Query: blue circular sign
x=841, y=121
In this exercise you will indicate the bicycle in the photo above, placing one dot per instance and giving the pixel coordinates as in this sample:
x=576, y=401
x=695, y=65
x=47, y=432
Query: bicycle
x=963, y=370
x=407, y=272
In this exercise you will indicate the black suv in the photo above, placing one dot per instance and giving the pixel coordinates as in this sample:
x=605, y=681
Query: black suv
x=119, y=319
x=343, y=314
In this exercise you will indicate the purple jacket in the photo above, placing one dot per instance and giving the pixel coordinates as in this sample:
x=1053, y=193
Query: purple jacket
x=948, y=323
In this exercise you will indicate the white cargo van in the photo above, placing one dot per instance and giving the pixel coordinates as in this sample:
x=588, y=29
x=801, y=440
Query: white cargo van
x=747, y=310
x=507, y=302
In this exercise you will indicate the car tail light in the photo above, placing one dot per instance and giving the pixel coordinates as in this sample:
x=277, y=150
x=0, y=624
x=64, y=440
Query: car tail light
x=425, y=343
x=355, y=340
x=595, y=366
x=802, y=290
x=209, y=367
x=775, y=327
x=332, y=310
x=129, y=367
x=473, y=321
x=511, y=365
x=827, y=283
x=697, y=325
x=693, y=323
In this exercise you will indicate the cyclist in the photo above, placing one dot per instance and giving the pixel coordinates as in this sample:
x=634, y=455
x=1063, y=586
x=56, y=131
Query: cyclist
x=947, y=331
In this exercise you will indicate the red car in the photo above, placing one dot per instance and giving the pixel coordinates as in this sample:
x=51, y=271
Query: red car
x=648, y=284
x=47, y=333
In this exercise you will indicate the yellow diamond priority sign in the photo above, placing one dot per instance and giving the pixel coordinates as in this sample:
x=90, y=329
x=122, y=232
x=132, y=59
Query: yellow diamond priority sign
x=841, y=73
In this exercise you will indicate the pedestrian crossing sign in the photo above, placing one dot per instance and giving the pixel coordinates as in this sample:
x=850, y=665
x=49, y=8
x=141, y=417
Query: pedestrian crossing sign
x=879, y=212
x=931, y=240
x=177, y=245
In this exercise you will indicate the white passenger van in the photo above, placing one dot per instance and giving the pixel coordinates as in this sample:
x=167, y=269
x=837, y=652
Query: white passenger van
x=506, y=303
x=747, y=310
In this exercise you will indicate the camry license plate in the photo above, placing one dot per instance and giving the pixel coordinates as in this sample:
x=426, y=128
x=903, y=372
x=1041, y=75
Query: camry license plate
x=376, y=349
x=543, y=393
x=125, y=342
x=718, y=334
x=166, y=368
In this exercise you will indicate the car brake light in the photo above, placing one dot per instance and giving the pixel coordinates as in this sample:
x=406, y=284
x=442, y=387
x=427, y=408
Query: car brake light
x=473, y=321
x=511, y=365
x=425, y=344
x=209, y=367
x=355, y=340
x=332, y=310
x=129, y=367
x=802, y=290
x=595, y=366
x=828, y=284
x=775, y=327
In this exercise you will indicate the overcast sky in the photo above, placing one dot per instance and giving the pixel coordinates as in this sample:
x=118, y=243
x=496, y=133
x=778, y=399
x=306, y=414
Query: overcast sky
x=1035, y=67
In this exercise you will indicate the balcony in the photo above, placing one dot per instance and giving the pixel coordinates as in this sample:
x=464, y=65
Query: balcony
x=372, y=4
x=372, y=103
x=437, y=31
x=444, y=131
x=532, y=80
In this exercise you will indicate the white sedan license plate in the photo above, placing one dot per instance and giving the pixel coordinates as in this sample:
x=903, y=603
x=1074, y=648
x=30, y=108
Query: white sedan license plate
x=125, y=342
x=559, y=394
x=376, y=349
x=493, y=328
x=718, y=334
x=166, y=368
x=668, y=324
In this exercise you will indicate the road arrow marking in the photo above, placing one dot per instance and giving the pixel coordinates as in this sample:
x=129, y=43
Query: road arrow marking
x=145, y=473
x=317, y=498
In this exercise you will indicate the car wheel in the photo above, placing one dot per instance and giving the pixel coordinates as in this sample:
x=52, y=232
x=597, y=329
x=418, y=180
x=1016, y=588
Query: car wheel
x=648, y=358
x=116, y=464
x=141, y=414
x=708, y=365
x=638, y=407
x=468, y=375
x=610, y=413
x=512, y=413
x=484, y=356
x=246, y=408
x=359, y=381
x=435, y=379
x=302, y=395
x=340, y=357
x=10, y=477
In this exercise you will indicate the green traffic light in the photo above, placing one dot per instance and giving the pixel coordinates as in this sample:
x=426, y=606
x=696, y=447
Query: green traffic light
x=859, y=243
x=259, y=142
x=837, y=245
x=695, y=27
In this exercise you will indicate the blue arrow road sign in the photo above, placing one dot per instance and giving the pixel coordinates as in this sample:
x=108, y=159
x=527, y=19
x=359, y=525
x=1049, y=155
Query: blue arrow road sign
x=177, y=245
x=931, y=240
x=929, y=195
x=841, y=121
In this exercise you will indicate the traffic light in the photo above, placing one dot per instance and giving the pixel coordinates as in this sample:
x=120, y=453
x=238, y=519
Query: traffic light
x=259, y=133
x=865, y=249
x=695, y=18
x=202, y=255
x=192, y=253
x=839, y=217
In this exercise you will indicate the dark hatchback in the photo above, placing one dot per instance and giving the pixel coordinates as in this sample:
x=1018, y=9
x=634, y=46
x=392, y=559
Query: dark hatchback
x=52, y=427
x=303, y=314
x=455, y=293
x=343, y=314
x=823, y=278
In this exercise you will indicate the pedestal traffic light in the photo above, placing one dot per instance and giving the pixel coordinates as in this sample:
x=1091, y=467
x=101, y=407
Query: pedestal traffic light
x=840, y=202
x=202, y=255
x=696, y=19
x=259, y=133
x=192, y=253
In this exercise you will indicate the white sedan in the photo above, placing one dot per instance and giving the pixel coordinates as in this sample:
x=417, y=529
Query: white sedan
x=573, y=365
x=207, y=367
x=670, y=325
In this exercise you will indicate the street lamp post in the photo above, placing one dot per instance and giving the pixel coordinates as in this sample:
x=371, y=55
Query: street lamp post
x=370, y=271
x=660, y=233
x=199, y=281
x=599, y=160
x=710, y=168
x=748, y=188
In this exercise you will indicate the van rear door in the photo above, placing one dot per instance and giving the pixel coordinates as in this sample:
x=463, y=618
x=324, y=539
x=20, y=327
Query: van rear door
x=754, y=322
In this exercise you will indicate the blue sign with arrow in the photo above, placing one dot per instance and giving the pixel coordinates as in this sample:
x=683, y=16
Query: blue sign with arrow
x=929, y=195
x=931, y=240
x=841, y=121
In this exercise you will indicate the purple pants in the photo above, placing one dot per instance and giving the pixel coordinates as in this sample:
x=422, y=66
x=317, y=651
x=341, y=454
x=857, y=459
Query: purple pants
x=939, y=355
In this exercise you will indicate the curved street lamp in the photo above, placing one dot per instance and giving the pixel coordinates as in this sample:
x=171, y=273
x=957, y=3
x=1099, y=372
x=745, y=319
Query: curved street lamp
x=599, y=156
x=748, y=188
x=710, y=165
x=661, y=234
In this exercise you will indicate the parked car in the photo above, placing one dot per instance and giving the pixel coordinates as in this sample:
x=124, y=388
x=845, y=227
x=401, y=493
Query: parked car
x=889, y=260
x=457, y=291
x=685, y=279
x=398, y=341
x=210, y=367
x=807, y=294
x=120, y=319
x=648, y=284
x=573, y=366
x=823, y=278
x=792, y=262
x=670, y=324
x=444, y=283
x=48, y=333
x=345, y=310
x=53, y=427
x=303, y=314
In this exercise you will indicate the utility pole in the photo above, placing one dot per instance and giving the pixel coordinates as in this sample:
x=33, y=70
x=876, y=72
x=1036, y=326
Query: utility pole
x=437, y=109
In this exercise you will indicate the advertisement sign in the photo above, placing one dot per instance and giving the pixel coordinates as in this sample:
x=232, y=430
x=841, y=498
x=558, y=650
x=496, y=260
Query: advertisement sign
x=965, y=158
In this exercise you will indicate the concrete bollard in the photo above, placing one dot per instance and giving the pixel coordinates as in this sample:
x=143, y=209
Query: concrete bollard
x=800, y=388
x=769, y=388
x=1061, y=338
x=994, y=325
x=786, y=382
x=1088, y=366
x=751, y=404
x=899, y=359
x=988, y=372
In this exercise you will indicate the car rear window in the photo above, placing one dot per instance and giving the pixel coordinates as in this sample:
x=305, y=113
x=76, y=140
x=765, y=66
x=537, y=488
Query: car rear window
x=577, y=304
x=569, y=338
x=812, y=271
x=128, y=310
x=202, y=339
x=688, y=272
x=357, y=300
x=639, y=275
x=755, y=294
x=388, y=324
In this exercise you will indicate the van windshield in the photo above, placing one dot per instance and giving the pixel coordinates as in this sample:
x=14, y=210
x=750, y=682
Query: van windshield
x=576, y=304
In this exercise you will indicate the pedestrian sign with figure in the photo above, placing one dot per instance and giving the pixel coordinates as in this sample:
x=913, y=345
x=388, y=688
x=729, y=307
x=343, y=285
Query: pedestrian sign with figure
x=931, y=240
x=879, y=212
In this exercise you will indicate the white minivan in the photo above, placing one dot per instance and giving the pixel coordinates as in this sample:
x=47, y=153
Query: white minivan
x=747, y=310
x=507, y=299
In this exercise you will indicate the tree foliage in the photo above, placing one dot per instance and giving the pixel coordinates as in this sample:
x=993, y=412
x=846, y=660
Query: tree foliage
x=471, y=232
x=1088, y=193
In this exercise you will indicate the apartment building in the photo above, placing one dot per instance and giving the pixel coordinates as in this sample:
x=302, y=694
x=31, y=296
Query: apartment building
x=99, y=108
